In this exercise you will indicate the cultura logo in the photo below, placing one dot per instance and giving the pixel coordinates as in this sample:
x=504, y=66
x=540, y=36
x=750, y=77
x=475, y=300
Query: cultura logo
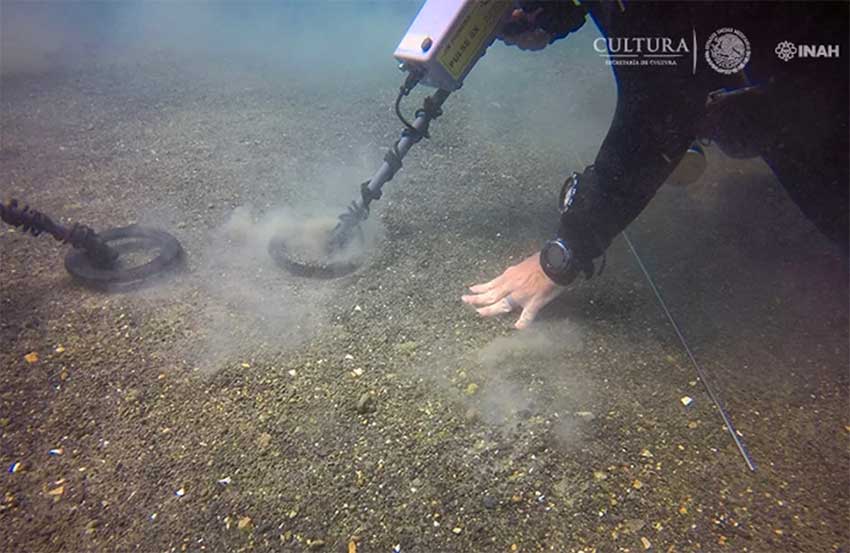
x=645, y=50
x=786, y=50
x=640, y=45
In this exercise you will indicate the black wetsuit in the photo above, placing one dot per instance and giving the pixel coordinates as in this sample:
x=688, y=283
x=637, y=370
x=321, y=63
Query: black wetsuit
x=797, y=118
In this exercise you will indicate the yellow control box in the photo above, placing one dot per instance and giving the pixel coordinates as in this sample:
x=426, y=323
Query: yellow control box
x=449, y=36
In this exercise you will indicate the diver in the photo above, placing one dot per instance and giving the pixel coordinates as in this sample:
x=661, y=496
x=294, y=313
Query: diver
x=747, y=99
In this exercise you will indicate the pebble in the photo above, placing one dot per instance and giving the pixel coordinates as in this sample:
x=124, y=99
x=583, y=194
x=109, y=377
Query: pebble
x=245, y=523
x=407, y=348
x=366, y=403
x=490, y=502
x=315, y=545
x=634, y=524
x=457, y=530
x=264, y=440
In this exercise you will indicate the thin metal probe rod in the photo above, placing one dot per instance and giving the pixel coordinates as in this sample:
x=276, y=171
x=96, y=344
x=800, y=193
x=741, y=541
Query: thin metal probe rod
x=726, y=419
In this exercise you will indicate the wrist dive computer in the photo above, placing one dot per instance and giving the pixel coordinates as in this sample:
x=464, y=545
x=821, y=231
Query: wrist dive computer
x=557, y=258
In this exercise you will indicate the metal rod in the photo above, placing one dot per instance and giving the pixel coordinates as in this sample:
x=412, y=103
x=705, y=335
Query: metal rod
x=726, y=419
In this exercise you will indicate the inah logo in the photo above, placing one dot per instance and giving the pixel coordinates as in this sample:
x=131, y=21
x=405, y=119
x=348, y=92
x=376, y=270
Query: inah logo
x=727, y=50
x=786, y=50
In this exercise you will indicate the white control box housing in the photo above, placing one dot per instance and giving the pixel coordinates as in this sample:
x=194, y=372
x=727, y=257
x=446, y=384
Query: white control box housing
x=448, y=37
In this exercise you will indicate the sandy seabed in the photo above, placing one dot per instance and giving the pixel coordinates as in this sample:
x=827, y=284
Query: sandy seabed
x=232, y=407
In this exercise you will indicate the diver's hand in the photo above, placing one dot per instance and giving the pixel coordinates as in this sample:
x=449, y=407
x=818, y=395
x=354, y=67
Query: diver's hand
x=522, y=31
x=524, y=286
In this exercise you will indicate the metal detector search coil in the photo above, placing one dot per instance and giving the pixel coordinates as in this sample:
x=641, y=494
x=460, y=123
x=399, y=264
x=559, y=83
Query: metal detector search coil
x=448, y=37
x=95, y=259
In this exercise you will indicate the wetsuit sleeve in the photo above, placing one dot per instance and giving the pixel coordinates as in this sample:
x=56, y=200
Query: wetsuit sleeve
x=657, y=114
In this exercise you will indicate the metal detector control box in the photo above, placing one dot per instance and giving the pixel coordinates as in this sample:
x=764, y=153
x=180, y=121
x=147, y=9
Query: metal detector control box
x=448, y=37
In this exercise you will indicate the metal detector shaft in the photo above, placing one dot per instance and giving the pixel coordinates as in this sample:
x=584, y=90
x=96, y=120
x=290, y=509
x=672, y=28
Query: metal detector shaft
x=371, y=190
x=392, y=161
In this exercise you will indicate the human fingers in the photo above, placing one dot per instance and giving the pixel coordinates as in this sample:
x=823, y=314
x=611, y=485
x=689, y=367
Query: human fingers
x=533, y=40
x=529, y=313
x=487, y=286
x=500, y=307
x=486, y=298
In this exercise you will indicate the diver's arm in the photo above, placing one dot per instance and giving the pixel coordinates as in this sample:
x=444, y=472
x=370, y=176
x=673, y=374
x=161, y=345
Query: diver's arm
x=659, y=109
x=654, y=123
